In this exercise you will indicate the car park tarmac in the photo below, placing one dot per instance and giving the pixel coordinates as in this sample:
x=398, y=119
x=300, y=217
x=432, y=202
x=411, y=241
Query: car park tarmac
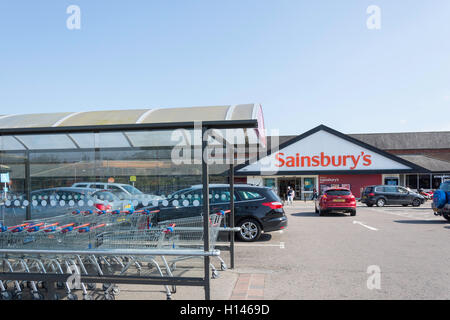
x=392, y=252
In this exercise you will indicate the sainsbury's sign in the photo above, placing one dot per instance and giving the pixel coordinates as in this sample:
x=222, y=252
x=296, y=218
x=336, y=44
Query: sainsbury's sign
x=323, y=160
x=323, y=151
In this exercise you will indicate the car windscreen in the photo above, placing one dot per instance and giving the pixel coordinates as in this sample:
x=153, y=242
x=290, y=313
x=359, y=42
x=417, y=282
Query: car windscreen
x=131, y=189
x=338, y=193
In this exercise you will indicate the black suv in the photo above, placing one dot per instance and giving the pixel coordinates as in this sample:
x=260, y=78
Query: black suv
x=257, y=209
x=388, y=194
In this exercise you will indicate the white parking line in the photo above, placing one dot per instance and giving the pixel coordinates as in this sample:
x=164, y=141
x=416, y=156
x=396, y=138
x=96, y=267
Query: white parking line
x=281, y=245
x=426, y=216
x=365, y=226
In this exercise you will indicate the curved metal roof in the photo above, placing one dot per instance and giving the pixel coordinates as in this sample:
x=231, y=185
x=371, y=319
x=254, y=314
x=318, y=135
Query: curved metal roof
x=131, y=116
x=68, y=140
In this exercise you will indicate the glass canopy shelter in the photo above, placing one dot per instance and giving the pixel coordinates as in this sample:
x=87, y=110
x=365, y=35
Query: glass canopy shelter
x=52, y=164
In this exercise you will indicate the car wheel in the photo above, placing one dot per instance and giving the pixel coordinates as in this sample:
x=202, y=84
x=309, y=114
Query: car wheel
x=250, y=230
x=416, y=202
x=321, y=212
x=353, y=213
x=381, y=202
x=446, y=216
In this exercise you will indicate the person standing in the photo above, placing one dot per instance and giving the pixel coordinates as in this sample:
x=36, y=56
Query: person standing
x=314, y=194
x=290, y=195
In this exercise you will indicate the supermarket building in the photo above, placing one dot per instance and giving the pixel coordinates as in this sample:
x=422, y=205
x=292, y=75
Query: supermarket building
x=319, y=158
x=322, y=157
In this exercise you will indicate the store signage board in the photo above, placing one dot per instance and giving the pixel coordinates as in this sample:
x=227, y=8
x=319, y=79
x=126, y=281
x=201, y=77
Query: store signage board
x=324, y=151
x=4, y=177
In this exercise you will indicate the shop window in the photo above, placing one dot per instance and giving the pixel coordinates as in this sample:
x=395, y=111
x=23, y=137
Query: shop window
x=392, y=181
x=424, y=181
x=437, y=179
x=269, y=182
x=411, y=181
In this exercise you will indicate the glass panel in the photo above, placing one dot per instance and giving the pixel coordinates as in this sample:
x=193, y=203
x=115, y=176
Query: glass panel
x=46, y=141
x=411, y=181
x=309, y=184
x=438, y=179
x=136, y=173
x=391, y=181
x=14, y=201
x=11, y=143
x=161, y=138
x=424, y=181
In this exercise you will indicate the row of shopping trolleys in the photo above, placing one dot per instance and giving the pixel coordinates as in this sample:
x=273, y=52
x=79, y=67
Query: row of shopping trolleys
x=70, y=243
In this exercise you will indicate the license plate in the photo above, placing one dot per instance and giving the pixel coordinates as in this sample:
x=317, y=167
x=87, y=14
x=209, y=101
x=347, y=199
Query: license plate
x=339, y=200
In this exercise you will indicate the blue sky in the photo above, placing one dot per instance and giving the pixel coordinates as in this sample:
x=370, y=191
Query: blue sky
x=307, y=62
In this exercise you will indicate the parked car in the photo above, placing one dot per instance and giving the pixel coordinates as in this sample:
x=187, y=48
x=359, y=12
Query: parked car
x=336, y=200
x=107, y=200
x=57, y=201
x=116, y=187
x=441, y=200
x=123, y=191
x=382, y=195
x=428, y=195
x=257, y=209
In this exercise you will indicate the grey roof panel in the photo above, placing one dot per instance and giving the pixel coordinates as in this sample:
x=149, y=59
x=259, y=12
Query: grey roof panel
x=429, y=163
x=406, y=140
x=398, y=141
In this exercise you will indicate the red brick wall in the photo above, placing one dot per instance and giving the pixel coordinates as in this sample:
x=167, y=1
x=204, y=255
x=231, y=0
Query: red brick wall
x=356, y=181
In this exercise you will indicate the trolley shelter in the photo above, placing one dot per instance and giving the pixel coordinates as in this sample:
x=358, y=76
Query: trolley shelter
x=110, y=202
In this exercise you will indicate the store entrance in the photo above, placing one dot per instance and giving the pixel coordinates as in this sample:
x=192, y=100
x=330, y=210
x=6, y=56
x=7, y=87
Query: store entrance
x=303, y=187
x=294, y=183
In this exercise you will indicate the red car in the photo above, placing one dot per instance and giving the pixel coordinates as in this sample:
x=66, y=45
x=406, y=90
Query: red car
x=336, y=200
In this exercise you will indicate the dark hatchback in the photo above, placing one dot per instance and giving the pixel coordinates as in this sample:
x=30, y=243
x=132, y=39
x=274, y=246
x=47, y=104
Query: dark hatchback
x=387, y=194
x=257, y=209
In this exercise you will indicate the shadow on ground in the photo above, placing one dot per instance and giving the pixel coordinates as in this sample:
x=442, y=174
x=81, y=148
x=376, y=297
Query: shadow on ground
x=316, y=215
x=421, y=221
x=397, y=207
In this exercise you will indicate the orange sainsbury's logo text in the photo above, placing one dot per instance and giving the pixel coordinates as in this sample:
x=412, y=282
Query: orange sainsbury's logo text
x=323, y=160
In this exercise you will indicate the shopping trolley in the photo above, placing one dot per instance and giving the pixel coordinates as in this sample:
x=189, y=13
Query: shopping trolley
x=189, y=234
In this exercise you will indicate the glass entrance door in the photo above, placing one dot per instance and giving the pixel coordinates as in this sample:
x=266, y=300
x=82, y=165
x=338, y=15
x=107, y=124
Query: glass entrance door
x=284, y=183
